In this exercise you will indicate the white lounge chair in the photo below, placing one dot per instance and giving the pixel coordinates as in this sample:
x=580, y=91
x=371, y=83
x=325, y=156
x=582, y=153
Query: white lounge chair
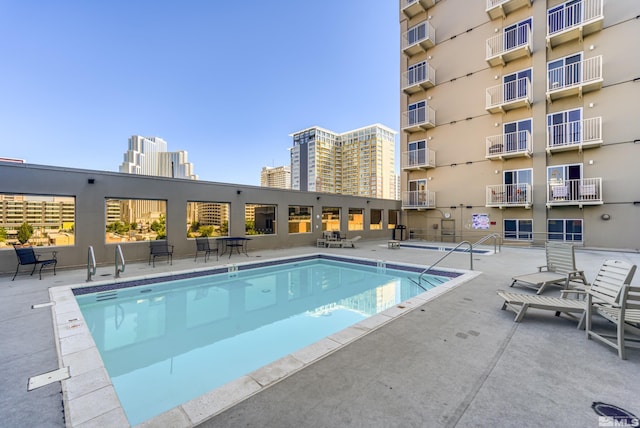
x=622, y=309
x=351, y=242
x=560, y=269
x=606, y=289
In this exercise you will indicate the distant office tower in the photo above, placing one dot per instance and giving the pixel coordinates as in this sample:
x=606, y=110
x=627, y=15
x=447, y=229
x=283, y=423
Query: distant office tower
x=279, y=176
x=520, y=118
x=149, y=156
x=359, y=162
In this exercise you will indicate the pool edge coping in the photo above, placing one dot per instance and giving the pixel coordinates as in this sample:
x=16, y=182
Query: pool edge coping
x=89, y=396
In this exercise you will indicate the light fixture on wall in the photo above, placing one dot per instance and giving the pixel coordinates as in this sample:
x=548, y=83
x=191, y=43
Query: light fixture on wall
x=591, y=47
x=590, y=161
x=605, y=217
x=497, y=171
x=238, y=191
x=430, y=178
x=591, y=105
x=91, y=180
x=496, y=124
x=317, y=198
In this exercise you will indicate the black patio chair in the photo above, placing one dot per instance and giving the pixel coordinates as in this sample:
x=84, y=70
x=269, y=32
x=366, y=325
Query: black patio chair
x=160, y=248
x=202, y=244
x=26, y=256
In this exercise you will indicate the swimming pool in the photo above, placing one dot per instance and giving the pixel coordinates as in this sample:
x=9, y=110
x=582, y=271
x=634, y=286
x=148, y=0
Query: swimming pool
x=236, y=315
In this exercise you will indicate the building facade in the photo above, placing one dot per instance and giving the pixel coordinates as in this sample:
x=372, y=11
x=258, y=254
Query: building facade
x=518, y=118
x=149, y=156
x=278, y=177
x=359, y=162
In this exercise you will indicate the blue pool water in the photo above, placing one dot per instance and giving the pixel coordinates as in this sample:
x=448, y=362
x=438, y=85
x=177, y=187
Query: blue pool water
x=166, y=343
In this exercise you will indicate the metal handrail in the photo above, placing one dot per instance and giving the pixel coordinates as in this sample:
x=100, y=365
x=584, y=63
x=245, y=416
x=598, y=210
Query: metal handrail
x=495, y=236
x=91, y=263
x=119, y=258
x=419, y=283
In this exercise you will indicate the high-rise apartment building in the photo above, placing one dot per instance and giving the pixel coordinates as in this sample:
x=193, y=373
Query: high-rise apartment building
x=149, y=156
x=278, y=176
x=359, y=162
x=520, y=117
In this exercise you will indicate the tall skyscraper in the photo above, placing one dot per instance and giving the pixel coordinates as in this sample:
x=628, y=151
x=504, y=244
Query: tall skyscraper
x=359, y=162
x=278, y=176
x=531, y=109
x=149, y=156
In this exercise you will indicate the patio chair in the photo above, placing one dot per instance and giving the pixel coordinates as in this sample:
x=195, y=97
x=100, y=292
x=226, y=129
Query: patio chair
x=26, y=256
x=202, y=245
x=160, y=248
x=621, y=308
x=351, y=242
x=560, y=269
x=612, y=277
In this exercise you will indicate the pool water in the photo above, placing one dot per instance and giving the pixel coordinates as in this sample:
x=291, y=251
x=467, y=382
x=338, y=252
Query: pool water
x=166, y=343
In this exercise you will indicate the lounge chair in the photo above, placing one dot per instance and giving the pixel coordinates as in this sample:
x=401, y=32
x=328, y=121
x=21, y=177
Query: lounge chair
x=351, y=242
x=26, y=256
x=606, y=288
x=622, y=309
x=160, y=248
x=560, y=269
x=202, y=245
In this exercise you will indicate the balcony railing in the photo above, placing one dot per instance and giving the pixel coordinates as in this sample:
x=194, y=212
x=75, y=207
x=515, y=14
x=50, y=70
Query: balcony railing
x=509, y=195
x=509, y=96
x=577, y=135
x=501, y=8
x=509, y=45
x=420, y=77
x=418, y=199
x=584, y=191
x=418, y=159
x=575, y=79
x=575, y=21
x=419, y=119
x=510, y=145
x=418, y=39
x=413, y=7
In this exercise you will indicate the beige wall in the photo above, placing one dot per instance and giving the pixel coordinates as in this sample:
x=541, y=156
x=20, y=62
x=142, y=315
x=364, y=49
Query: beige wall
x=90, y=209
x=462, y=122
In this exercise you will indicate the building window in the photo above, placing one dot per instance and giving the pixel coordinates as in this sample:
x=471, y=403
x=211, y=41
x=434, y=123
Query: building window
x=207, y=219
x=564, y=182
x=376, y=220
x=564, y=72
x=356, y=219
x=517, y=34
x=394, y=219
x=516, y=184
x=417, y=73
x=300, y=219
x=331, y=218
x=37, y=220
x=518, y=229
x=564, y=16
x=259, y=219
x=515, y=135
x=129, y=220
x=417, y=153
x=515, y=85
x=569, y=230
x=417, y=33
x=417, y=112
x=564, y=127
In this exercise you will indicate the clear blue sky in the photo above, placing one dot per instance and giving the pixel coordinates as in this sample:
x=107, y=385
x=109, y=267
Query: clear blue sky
x=227, y=81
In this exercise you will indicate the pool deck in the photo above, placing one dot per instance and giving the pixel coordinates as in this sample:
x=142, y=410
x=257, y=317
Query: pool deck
x=456, y=360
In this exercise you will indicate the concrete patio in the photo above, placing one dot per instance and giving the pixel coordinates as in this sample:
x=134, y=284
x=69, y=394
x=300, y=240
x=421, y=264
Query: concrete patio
x=457, y=360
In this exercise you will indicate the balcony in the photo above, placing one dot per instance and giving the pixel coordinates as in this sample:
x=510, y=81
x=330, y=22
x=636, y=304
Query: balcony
x=419, y=119
x=509, y=96
x=418, y=200
x=418, y=159
x=511, y=145
x=575, y=79
x=419, y=78
x=411, y=8
x=573, y=22
x=585, y=191
x=509, y=195
x=418, y=39
x=509, y=45
x=578, y=135
x=501, y=8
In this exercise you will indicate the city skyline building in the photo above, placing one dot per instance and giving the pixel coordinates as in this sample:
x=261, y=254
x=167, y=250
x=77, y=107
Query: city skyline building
x=360, y=162
x=149, y=156
x=518, y=118
x=278, y=177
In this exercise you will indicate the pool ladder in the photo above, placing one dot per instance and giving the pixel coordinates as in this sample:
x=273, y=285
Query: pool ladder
x=92, y=267
x=496, y=248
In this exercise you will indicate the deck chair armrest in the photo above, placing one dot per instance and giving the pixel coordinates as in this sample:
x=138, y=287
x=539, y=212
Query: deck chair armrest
x=53, y=255
x=579, y=293
x=544, y=268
